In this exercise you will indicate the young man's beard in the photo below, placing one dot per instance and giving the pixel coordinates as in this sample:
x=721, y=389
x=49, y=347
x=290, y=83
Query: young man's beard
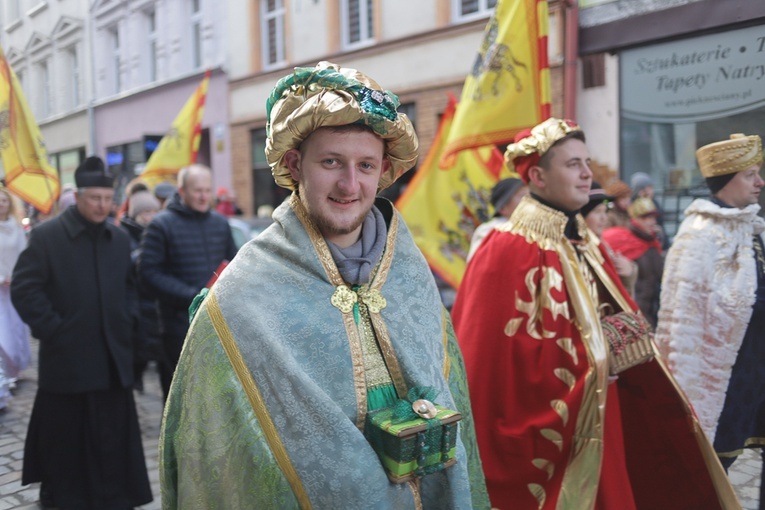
x=326, y=226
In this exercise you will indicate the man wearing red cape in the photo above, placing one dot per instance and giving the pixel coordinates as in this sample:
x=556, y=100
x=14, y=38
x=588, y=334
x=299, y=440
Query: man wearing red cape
x=555, y=431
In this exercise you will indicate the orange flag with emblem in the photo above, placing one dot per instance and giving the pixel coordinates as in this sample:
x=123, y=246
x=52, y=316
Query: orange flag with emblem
x=25, y=159
x=443, y=206
x=179, y=147
x=508, y=88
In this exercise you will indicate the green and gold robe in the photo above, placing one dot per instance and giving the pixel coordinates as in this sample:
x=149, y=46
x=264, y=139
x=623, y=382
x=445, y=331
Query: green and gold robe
x=269, y=400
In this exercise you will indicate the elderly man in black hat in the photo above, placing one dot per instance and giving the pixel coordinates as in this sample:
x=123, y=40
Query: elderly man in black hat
x=73, y=286
x=505, y=196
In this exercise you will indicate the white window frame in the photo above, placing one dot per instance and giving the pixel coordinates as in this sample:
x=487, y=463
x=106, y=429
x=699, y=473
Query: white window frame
x=114, y=40
x=20, y=77
x=483, y=11
x=197, y=59
x=74, y=64
x=43, y=74
x=366, y=24
x=14, y=10
x=278, y=17
x=151, y=51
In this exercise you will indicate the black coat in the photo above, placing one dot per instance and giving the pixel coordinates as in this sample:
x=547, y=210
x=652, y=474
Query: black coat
x=150, y=326
x=180, y=250
x=75, y=290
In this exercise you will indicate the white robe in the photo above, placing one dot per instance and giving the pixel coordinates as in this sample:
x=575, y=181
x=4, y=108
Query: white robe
x=708, y=291
x=14, y=335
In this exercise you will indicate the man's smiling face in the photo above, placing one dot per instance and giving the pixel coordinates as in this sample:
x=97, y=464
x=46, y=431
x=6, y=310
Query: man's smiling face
x=338, y=171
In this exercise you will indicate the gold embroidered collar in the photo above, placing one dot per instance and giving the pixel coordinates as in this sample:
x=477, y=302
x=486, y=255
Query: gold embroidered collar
x=542, y=224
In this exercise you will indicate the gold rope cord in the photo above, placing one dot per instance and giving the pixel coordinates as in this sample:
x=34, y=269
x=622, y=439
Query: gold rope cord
x=256, y=401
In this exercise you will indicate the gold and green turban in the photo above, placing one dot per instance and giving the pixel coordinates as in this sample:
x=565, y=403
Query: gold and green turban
x=329, y=95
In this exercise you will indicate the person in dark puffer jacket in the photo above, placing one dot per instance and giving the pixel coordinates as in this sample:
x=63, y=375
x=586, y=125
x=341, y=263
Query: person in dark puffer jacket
x=181, y=249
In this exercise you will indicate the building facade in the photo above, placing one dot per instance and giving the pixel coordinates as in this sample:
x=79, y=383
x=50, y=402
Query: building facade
x=108, y=77
x=46, y=43
x=422, y=51
x=676, y=75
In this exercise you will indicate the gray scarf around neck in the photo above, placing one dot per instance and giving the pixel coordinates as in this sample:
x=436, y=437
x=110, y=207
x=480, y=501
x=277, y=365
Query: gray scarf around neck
x=357, y=261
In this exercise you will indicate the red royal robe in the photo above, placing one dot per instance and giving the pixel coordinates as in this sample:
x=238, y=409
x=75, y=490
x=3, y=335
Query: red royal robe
x=552, y=432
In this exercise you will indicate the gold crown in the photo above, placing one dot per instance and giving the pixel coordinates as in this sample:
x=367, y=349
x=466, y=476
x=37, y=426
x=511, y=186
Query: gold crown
x=539, y=139
x=730, y=156
x=642, y=207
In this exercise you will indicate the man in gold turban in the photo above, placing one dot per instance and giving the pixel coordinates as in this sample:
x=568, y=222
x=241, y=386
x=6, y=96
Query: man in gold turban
x=329, y=317
x=555, y=430
x=712, y=316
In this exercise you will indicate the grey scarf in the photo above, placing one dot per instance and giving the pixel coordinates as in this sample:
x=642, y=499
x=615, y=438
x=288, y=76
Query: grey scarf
x=357, y=261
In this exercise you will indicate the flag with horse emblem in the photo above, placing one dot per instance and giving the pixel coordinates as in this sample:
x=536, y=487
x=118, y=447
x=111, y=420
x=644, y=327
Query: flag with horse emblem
x=443, y=206
x=508, y=88
x=178, y=148
x=25, y=159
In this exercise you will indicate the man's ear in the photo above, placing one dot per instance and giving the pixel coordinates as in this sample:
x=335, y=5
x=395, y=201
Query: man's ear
x=386, y=164
x=292, y=160
x=537, y=177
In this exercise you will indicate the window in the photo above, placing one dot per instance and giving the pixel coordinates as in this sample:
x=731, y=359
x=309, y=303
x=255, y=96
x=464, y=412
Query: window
x=593, y=70
x=74, y=84
x=357, y=22
x=44, y=84
x=196, y=34
x=20, y=78
x=14, y=10
x=151, y=32
x=465, y=10
x=264, y=190
x=272, y=32
x=114, y=35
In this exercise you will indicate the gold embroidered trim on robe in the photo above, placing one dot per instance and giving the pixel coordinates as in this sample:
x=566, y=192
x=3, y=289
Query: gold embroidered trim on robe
x=256, y=401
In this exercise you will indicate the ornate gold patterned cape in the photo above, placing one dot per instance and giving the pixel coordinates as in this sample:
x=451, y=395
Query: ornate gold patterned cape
x=553, y=434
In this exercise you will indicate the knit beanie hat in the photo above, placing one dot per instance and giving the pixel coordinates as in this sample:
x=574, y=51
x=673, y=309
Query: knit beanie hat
x=639, y=181
x=142, y=201
x=164, y=190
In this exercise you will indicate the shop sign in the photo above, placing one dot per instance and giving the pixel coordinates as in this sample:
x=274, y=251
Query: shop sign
x=696, y=79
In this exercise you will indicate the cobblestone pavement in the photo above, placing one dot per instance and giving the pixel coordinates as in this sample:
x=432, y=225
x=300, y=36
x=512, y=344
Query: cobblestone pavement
x=13, y=430
x=745, y=472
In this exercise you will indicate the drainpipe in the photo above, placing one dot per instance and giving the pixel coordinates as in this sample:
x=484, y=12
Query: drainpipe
x=571, y=28
x=91, y=78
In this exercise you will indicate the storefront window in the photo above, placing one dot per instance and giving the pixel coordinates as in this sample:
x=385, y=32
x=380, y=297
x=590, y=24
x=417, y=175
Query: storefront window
x=681, y=95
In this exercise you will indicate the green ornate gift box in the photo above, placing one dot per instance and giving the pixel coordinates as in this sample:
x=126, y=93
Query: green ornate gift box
x=416, y=446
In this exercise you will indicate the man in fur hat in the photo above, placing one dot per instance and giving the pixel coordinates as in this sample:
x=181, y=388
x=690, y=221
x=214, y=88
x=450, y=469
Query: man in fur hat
x=712, y=316
x=73, y=286
x=329, y=315
x=554, y=430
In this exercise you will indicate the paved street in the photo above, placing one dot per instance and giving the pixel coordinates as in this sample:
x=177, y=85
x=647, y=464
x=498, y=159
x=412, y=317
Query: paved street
x=13, y=427
x=745, y=473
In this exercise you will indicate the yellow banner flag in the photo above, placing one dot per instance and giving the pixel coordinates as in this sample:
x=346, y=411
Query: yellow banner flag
x=178, y=148
x=442, y=207
x=508, y=88
x=25, y=160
